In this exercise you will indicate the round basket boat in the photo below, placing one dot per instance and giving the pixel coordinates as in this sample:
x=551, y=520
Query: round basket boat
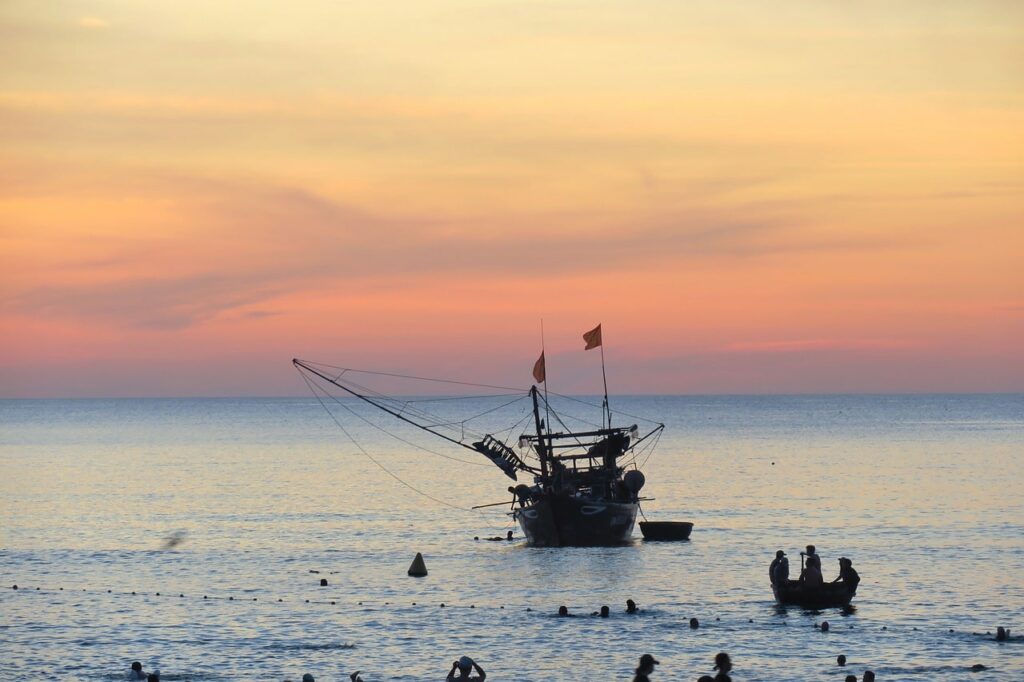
x=666, y=530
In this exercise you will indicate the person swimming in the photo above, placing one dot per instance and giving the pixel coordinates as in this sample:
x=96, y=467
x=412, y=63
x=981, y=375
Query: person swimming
x=465, y=667
x=631, y=606
x=723, y=664
x=136, y=672
x=646, y=667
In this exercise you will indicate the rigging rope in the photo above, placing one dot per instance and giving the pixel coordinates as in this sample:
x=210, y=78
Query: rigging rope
x=371, y=457
x=410, y=376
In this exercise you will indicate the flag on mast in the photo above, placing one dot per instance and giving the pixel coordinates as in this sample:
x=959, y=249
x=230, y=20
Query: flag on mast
x=539, y=370
x=593, y=338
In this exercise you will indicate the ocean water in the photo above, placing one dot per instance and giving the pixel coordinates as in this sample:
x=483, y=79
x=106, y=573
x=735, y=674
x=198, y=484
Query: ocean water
x=925, y=493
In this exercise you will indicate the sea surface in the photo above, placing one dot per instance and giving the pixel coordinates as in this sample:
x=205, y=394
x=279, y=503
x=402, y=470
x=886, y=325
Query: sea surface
x=192, y=535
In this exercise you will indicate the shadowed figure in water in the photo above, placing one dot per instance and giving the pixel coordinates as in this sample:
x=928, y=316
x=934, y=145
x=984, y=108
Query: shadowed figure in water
x=646, y=667
x=136, y=672
x=465, y=667
x=723, y=664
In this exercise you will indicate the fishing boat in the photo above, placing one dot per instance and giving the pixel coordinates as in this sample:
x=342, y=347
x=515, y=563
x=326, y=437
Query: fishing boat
x=795, y=593
x=582, y=484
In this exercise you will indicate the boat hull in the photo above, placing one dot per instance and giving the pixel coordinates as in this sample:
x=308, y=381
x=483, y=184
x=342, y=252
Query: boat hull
x=792, y=593
x=565, y=521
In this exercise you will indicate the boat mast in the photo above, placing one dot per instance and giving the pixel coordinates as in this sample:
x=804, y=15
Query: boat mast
x=542, y=450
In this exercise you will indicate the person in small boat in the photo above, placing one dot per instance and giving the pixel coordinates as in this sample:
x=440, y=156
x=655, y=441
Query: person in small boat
x=811, y=558
x=774, y=573
x=848, y=575
x=646, y=667
x=465, y=667
x=812, y=579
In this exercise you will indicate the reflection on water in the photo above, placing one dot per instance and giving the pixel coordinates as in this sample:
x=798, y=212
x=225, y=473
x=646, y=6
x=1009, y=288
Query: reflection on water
x=925, y=493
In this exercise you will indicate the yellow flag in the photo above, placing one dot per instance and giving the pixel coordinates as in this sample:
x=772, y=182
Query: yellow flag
x=539, y=371
x=593, y=338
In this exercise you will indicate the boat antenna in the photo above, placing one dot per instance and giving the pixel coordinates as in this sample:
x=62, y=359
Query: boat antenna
x=547, y=405
x=604, y=378
x=594, y=340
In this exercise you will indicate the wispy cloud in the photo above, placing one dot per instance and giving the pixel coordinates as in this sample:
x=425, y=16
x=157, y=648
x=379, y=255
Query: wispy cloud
x=92, y=22
x=242, y=245
x=815, y=345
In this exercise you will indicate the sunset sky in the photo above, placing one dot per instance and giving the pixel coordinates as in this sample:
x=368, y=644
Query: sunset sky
x=752, y=197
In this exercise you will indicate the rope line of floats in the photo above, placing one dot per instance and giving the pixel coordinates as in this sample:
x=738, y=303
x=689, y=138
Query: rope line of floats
x=693, y=622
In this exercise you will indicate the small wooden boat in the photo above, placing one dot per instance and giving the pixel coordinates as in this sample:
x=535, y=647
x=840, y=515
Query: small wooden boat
x=666, y=530
x=793, y=593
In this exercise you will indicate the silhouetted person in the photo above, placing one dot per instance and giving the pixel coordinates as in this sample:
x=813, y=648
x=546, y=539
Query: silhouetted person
x=1002, y=634
x=848, y=575
x=604, y=612
x=631, y=606
x=308, y=678
x=694, y=623
x=811, y=558
x=869, y=676
x=646, y=667
x=851, y=678
x=355, y=676
x=840, y=660
x=780, y=556
x=705, y=678
x=563, y=610
x=153, y=677
x=135, y=673
x=812, y=576
x=723, y=664
x=465, y=667
x=509, y=536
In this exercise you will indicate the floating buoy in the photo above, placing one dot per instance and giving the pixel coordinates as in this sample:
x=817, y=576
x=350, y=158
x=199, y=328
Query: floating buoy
x=418, y=568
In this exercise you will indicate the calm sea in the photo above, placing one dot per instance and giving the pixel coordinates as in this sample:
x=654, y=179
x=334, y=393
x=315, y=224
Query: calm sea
x=269, y=496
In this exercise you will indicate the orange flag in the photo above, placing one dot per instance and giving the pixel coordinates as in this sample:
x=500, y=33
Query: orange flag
x=593, y=338
x=539, y=371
